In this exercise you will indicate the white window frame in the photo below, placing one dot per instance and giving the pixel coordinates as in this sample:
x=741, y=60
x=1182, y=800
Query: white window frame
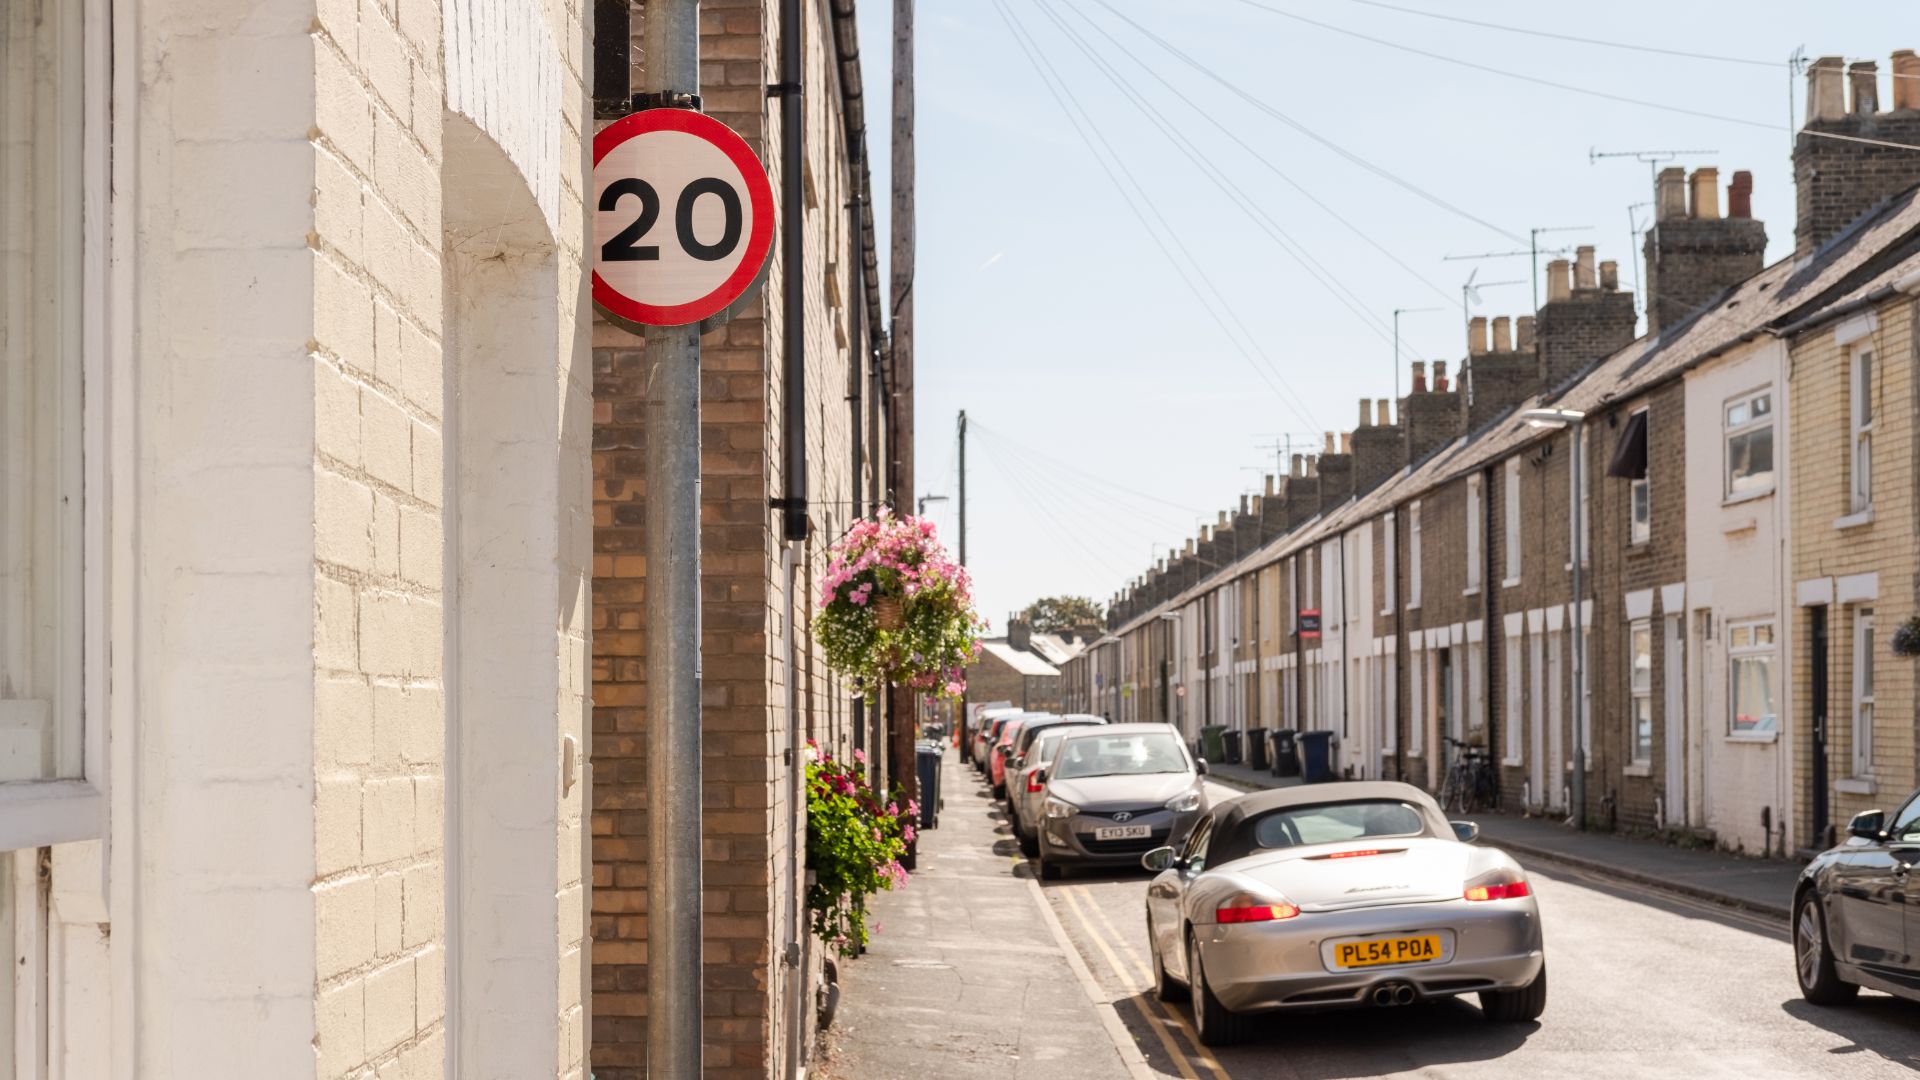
x=1514, y=752
x=1416, y=699
x=1413, y=555
x=36, y=813
x=1474, y=538
x=1730, y=485
x=1476, y=689
x=1389, y=703
x=1751, y=650
x=1860, y=414
x=1390, y=589
x=1513, y=523
x=1862, y=750
x=1639, y=697
x=1640, y=493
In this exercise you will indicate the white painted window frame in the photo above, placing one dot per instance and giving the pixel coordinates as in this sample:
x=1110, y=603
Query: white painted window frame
x=1862, y=748
x=1860, y=414
x=1738, y=653
x=1390, y=588
x=1638, y=697
x=1513, y=544
x=1413, y=555
x=1639, y=493
x=1514, y=751
x=1416, y=697
x=35, y=813
x=1475, y=521
x=1731, y=431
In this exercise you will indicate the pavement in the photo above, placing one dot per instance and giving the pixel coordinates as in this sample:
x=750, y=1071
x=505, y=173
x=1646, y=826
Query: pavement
x=969, y=973
x=1761, y=886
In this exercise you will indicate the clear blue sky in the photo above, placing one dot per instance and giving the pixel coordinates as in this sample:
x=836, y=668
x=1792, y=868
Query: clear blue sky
x=1111, y=411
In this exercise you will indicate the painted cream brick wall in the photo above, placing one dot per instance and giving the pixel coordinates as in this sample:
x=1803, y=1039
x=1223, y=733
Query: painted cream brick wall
x=379, y=717
x=1822, y=482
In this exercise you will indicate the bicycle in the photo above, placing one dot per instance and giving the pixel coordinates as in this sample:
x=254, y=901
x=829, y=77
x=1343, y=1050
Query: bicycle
x=1470, y=782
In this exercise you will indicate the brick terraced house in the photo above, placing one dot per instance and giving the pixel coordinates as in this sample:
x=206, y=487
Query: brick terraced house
x=1416, y=593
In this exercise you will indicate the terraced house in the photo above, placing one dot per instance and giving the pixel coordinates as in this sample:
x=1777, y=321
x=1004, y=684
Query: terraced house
x=1736, y=600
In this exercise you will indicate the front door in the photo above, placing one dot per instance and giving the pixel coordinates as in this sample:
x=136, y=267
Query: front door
x=1676, y=721
x=1817, y=692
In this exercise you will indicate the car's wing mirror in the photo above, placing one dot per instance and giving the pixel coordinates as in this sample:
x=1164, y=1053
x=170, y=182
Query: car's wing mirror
x=1465, y=831
x=1040, y=776
x=1868, y=825
x=1200, y=766
x=1160, y=858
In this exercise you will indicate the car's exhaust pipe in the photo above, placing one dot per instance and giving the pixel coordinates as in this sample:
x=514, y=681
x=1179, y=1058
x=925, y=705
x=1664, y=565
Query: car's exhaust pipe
x=1387, y=994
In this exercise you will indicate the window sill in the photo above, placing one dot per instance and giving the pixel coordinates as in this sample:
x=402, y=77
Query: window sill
x=1747, y=496
x=1855, y=519
x=1512, y=762
x=1856, y=785
x=1475, y=591
x=1762, y=737
x=1639, y=548
x=1510, y=583
x=1638, y=768
x=1415, y=606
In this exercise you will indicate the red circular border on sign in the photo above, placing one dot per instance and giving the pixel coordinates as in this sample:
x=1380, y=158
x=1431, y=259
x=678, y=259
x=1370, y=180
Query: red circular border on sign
x=759, y=196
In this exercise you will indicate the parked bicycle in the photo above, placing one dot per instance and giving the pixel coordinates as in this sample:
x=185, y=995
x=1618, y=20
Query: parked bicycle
x=1470, y=783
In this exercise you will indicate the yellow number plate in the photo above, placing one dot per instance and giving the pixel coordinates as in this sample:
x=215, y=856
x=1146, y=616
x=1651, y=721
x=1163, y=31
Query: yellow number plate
x=1403, y=950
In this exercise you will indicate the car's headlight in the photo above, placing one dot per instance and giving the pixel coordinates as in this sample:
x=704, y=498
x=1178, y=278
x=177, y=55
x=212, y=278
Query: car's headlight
x=1058, y=809
x=1185, y=802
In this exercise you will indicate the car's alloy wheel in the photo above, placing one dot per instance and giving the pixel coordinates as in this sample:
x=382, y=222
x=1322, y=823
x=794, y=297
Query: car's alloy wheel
x=1216, y=1024
x=1516, y=1006
x=1820, y=983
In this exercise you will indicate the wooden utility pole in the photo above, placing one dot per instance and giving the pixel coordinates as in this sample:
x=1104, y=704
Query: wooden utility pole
x=900, y=739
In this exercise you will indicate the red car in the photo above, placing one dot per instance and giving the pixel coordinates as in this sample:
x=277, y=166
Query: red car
x=1002, y=746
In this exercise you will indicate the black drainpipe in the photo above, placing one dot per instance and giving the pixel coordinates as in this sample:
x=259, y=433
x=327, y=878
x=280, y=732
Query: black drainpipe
x=793, y=278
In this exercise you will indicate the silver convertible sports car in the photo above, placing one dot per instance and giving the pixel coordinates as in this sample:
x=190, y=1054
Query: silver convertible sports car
x=1334, y=895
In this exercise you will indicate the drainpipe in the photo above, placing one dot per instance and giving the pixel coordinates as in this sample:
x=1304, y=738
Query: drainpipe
x=1495, y=644
x=793, y=278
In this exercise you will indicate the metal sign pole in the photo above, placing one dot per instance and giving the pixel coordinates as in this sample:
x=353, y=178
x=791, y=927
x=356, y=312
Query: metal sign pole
x=674, y=999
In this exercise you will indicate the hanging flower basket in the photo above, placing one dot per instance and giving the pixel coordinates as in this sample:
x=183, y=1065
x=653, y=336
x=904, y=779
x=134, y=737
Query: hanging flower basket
x=854, y=844
x=894, y=608
x=1906, y=637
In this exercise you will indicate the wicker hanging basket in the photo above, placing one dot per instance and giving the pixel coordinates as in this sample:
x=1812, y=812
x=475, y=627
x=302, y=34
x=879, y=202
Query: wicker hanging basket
x=888, y=614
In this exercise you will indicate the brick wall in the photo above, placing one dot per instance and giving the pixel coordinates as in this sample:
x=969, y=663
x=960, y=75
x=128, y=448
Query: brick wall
x=1571, y=333
x=1837, y=180
x=1691, y=261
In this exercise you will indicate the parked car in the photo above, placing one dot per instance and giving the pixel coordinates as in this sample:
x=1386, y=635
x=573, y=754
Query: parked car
x=1020, y=749
x=1852, y=925
x=1027, y=787
x=1341, y=894
x=983, y=739
x=1114, y=792
x=1002, y=744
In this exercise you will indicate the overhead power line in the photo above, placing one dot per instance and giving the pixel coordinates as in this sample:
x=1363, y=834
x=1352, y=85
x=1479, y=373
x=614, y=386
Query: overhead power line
x=1575, y=38
x=1095, y=477
x=1275, y=113
x=1063, y=94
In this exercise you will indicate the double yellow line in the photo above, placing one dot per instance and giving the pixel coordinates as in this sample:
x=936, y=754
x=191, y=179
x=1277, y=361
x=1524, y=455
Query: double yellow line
x=1133, y=974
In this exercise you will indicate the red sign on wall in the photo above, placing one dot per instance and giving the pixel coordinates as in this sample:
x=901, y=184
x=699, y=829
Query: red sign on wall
x=1310, y=622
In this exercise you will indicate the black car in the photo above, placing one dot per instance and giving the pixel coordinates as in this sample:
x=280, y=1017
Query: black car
x=1856, y=911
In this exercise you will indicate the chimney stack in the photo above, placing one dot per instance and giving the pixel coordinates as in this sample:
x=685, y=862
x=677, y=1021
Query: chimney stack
x=1864, y=80
x=1703, y=192
x=1346, y=442
x=1523, y=334
x=1476, y=335
x=1298, y=467
x=1610, y=275
x=1906, y=81
x=1329, y=448
x=1419, y=376
x=1439, y=376
x=1383, y=411
x=1313, y=467
x=1557, y=280
x=1849, y=160
x=1269, y=485
x=1670, y=194
x=1223, y=521
x=1502, y=335
x=1740, y=194
x=1583, y=277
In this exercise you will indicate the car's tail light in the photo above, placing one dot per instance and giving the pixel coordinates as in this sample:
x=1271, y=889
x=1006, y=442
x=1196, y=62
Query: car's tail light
x=1247, y=908
x=1499, y=885
x=1034, y=784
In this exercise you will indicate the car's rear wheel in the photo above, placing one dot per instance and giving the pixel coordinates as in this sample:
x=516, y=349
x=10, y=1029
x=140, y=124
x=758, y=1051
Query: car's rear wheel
x=999, y=791
x=1216, y=1024
x=1820, y=983
x=1516, y=1006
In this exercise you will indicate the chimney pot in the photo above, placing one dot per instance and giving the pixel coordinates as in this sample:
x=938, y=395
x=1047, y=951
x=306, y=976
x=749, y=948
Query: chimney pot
x=1188, y=549
x=1299, y=468
x=1419, y=376
x=1269, y=485
x=1383, y=413
x=1329, y=448
x=1865, y=79
x=1366, y=411
x=1523, y=333
x=1670, y=194
x=1906, y=80
x=1502, y=334
x=1439, y=376
x=1740, y=195
x=1610, y=275
x=1206, y=533
x=1313, y=466
x=1223, y=520
x=1826, y=89
x=1243, y=504
x=1583, y=268
x=1704, y=192
x=1557, y=280
x=1476, y=335
x=1346, y=442
x=1254, y=506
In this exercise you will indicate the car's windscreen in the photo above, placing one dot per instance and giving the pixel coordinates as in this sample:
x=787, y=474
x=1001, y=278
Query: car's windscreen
x=1120, y=755
x=1044, y=749
x=1332, y=823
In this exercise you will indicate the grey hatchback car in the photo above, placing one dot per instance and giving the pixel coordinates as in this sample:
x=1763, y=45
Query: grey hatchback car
x=1114, y=792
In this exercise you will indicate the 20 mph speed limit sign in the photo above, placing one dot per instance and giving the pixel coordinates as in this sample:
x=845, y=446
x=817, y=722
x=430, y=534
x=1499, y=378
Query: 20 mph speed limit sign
x=683, y=218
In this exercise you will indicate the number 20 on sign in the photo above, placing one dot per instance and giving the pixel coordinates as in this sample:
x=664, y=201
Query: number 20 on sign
x=683, y=219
